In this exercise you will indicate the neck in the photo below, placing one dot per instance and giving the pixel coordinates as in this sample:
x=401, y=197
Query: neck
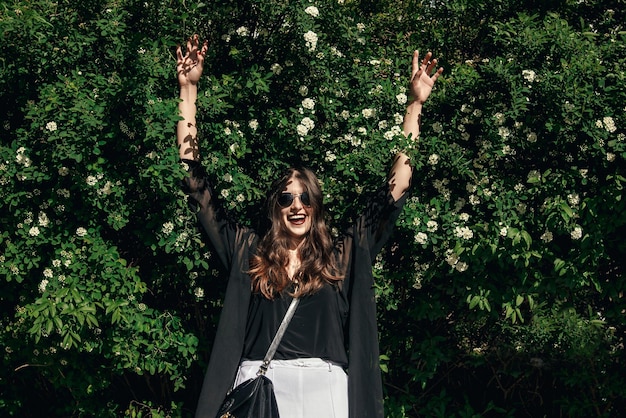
x=295, y=244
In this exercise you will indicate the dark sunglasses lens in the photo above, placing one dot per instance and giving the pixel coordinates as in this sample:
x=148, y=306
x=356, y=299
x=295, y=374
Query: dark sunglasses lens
x=305, y=199
x=285, y=199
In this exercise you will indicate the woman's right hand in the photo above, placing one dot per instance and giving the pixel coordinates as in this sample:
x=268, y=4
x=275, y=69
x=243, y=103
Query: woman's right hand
x=189, y=66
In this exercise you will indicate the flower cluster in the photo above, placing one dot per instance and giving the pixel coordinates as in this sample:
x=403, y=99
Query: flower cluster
x=312, y=10
x=310, y=38
x=306, y=124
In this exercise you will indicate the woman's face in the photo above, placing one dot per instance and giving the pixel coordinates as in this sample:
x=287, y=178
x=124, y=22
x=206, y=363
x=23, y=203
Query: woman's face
x=295, y=214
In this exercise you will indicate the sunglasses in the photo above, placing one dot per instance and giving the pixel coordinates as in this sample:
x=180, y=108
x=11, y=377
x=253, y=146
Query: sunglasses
x=286, y=199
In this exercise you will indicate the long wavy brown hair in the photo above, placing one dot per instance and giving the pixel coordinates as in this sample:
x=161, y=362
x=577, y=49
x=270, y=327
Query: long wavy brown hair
x=318, y=266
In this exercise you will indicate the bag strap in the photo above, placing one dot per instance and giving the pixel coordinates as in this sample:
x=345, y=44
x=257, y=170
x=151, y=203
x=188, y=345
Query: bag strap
x=279, y=336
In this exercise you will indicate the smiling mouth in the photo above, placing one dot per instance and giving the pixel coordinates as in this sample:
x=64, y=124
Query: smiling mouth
x=296, y=219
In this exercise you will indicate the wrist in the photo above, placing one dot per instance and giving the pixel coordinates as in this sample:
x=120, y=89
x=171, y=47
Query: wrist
x=415, y=105
x=188, y=89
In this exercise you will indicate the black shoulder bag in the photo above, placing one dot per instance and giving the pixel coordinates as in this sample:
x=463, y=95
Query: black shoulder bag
x=255, y=398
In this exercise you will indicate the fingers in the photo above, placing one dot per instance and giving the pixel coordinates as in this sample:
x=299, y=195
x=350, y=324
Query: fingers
x=437, y=74
x=428, y=65
x=193, y=51
x=426, y=60
x=179, y=54
x=189, y=45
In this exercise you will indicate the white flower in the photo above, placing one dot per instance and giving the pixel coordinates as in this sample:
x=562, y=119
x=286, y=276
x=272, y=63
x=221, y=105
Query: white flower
x=308, y=103
x=576, y=233
x=276, y=68
x=335, y=51
x=368, y=113
x=21, y=158
x=51, y=126
x=610, y=157
x=56, y=263
x=167, y=228
x=47, y=272
x=345, y=114
x=302, y=130
x=312, y=10
x=199, y=292
x=461, y=266
x=432, y=226
x=43, y=219
x=303, y=90
x=398, y=118
x=452, y=258
x=91, y=180
x=360, y=27
x=401, y=98
x=504, y=231
x=233, y=148
x=504, y=132
x=573, y=199
x=243, y=31
x=609, y=124
x=311, y=40
x=463, y=232
x=253, y=124
x=64, y=171
x=546, y=236
x=421, y=238
x=225, y=193
x=499, y=118
x=433, y=159
x=531, y=137
x=240, y=198
x=33, y=231
x=81, y=232
x=307, y=122
x=474, y=200
x=42, y=285
x=529, y=75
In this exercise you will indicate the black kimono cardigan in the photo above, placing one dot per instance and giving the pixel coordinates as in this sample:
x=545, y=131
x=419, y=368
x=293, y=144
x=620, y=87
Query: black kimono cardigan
x=356, y=250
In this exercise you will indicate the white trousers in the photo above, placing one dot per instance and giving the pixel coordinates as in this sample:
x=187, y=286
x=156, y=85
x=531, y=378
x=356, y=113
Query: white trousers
x=305, y=388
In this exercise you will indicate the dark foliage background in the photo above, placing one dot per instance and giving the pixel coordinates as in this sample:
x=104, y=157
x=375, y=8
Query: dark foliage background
x=502, y=293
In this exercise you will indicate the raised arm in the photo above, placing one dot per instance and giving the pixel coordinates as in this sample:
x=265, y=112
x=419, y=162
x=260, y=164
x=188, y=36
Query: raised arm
x=189, y=68
x=420, y=87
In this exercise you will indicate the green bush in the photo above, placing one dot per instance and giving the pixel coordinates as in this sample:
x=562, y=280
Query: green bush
x=502, y=291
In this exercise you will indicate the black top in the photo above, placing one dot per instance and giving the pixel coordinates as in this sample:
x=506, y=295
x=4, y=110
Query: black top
x=316, y=329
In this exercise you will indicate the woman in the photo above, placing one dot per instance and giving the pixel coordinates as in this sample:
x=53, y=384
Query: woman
x=334, y=327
